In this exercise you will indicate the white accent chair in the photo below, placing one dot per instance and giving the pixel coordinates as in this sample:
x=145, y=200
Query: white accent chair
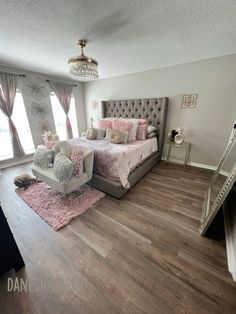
x=48, y=176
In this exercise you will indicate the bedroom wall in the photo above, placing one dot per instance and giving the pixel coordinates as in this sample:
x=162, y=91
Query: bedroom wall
x=208, y=125
x=34, y=121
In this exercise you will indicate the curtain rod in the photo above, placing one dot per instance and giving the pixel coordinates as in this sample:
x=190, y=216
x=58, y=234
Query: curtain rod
x=23, y=75
x=59, y=82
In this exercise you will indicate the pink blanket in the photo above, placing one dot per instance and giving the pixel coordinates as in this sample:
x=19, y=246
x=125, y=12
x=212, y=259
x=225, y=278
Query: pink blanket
x=116, y=161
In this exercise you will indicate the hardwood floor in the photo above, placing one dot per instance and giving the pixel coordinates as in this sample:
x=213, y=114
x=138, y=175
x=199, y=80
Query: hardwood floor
x=140, y=254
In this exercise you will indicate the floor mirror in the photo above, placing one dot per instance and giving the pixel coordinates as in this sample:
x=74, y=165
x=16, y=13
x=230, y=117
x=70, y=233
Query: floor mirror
x=221, y=183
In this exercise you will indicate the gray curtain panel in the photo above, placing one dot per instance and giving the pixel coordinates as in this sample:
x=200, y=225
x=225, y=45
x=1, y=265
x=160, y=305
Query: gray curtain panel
x=8, y=84
x=63, y=93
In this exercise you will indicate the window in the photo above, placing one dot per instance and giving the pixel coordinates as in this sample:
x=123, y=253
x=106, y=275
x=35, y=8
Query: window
x=60, y=119
x=20, y=120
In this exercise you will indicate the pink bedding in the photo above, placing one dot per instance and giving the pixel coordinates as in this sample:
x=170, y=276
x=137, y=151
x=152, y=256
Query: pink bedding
x=116, y=161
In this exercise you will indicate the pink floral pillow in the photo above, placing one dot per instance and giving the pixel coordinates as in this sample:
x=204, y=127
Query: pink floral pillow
x=123, y=126
x=77, y=158
x=142, y=132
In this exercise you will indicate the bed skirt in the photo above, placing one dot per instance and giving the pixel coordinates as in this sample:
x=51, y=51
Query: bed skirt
x=114, y=188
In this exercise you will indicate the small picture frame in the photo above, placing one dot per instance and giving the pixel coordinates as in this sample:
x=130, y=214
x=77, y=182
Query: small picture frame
x=94, y=104
x=189, y=101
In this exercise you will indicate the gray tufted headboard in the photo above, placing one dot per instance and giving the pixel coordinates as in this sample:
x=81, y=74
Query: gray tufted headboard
x=154, y=110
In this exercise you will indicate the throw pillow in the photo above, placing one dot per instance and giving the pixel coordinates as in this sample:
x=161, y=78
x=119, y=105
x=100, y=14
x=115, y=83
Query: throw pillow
x=141, y=132
x=101, y=133
x=150, y=135
x=63, y=167
x=151, y=128
x=63, y=147
x=133, y=134
x=77, y=158
x=91, y=134
x=123, y=126
x=105, y=124
x=116, y=136
x=43, y=158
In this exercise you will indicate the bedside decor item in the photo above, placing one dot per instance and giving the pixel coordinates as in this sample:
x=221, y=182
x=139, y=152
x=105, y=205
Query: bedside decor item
x=179, y=138
x=55, y=208
x=171, y=135
x=177, y=135
x=83, y=68
x=221, y=183
x=189, y=101
x=35, y=88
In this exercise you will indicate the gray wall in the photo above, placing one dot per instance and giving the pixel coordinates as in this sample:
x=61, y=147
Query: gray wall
x=208, y=125
x=34, y=120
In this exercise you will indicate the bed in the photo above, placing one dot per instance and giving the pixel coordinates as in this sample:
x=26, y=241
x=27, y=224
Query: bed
x=154, y=110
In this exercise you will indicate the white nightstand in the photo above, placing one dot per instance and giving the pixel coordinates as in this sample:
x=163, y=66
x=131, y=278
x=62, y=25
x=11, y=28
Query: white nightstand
x=184, y=146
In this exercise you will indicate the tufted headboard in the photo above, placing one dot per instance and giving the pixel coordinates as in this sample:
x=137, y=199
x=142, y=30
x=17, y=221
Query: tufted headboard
x=154, y=110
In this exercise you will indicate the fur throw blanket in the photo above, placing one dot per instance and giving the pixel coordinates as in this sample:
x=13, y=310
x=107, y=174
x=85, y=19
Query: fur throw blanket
x=24, y=180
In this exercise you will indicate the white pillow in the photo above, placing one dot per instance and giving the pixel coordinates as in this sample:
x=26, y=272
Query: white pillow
x=150, y=135
x=101, y=133
x=151, y=128
x=63, y=167
x=133, y=134
x=43, y=158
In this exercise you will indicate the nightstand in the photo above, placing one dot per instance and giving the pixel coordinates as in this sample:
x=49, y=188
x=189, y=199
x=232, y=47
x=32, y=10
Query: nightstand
x=185, y=146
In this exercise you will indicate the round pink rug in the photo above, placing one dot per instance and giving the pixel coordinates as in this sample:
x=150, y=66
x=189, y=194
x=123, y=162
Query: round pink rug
x=54, y=207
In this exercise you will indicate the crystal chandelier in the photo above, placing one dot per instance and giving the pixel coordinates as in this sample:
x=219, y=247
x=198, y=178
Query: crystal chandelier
x=83, y=68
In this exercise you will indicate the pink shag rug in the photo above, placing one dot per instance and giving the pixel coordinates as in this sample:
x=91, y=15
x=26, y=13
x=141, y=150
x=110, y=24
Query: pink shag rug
x=54, y=207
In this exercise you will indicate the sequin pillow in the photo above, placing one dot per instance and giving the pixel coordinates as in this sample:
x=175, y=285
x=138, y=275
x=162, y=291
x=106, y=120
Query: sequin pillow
x=78, y=163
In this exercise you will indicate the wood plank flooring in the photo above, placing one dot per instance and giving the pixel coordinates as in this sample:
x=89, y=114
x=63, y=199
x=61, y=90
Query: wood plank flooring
x=140, y=254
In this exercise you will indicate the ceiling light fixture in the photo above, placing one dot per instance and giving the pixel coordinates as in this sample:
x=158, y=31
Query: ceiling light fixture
x=83, y=68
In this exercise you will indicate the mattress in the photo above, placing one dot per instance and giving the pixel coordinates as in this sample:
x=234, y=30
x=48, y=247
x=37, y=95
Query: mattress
x=116, y=161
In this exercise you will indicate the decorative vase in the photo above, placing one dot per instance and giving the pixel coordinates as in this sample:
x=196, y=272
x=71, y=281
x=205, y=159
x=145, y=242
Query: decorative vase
x=179, y=138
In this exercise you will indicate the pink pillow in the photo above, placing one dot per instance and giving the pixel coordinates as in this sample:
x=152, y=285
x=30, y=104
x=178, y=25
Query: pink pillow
x=77, y=158
x=141, y=132
x=123, y=126
x=110, y=118
x=105, y=124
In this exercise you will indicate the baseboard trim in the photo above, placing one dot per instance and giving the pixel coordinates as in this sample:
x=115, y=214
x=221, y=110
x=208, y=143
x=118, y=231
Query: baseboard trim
x=16, y=162
x=196, y=164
